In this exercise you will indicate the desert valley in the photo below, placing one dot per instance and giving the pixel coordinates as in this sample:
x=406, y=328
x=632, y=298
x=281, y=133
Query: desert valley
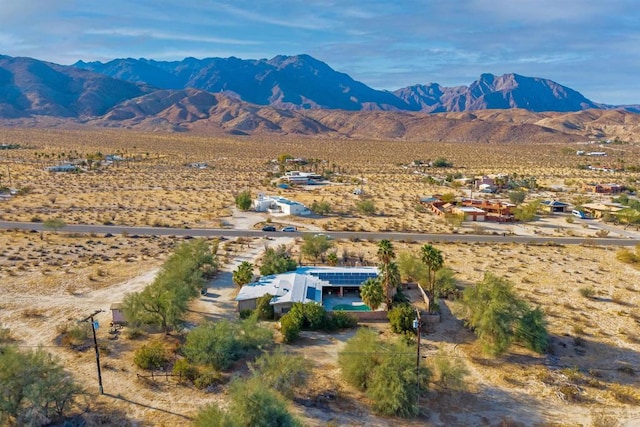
x=504, y=229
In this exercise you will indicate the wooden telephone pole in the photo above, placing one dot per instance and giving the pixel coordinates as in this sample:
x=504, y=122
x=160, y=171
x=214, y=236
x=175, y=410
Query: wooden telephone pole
x=94, y=325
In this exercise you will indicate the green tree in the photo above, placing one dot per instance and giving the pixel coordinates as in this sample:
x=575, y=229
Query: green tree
x=495, y=313
x=276, y=261
x=366, y=207
x=253, y=404
x=152, y=356
x=264, y=309
x=517, y=196
x=372, y=293
x=411, y=267
x=221, y=343
x=54, y=224
x=321, y=208
x=442, y=162
x=34, y=388
x=243, y=200
x=282, y=372
x=445, y=286
x=433, y=260
x=401, y=318
x=527, y=212
x=164, y=302
x=385, y=371
x=314, y=246
x=359, y=357
x=243, y=274
x=531, y=330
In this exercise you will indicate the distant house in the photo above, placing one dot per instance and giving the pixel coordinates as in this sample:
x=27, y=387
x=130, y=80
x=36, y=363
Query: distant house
x=302, y=178
x=335, y=288
x=279, y=204
x=495, y=210
x=554, y=206
x=602, y=188
x=65, y=167
x=598, y=210
x=471, y=213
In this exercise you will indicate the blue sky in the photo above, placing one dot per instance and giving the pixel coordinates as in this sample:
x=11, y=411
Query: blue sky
x=592, y=46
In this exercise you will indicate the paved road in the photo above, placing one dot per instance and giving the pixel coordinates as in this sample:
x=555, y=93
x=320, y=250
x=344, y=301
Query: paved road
x=212, y=232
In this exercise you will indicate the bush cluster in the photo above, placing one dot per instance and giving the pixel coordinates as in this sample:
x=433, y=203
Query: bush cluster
x=312, y=317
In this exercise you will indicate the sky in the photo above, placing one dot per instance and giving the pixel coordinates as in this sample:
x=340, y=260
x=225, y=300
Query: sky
x=592, y=46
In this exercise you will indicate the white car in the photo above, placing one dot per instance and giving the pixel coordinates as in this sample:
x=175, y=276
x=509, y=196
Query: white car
x=289, y=228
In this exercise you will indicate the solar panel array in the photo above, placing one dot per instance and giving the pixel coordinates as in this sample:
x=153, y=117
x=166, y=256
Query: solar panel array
x=343, y=278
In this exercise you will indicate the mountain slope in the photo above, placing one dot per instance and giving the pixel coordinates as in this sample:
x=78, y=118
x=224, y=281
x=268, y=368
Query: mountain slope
x=32, y=87
x=296, y=82
x=497, y=92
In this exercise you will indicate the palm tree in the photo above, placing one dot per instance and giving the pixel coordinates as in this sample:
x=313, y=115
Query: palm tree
x=385, y=251
x=372, y=293
x=432, y=258
x=390, y=280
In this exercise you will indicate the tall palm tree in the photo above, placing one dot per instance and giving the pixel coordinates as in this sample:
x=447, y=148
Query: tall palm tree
x=390, y=279
x=432, y=258
x=389, y=273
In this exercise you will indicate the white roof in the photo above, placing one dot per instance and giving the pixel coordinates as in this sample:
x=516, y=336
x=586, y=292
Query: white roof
x=301, y=285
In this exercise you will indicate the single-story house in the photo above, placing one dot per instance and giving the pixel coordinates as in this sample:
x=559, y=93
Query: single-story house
x=279, y=204
x=598, y=210
x=602, y=188
x=471, y=213
x=333, y=287
x=554, y=206
x=302, y=178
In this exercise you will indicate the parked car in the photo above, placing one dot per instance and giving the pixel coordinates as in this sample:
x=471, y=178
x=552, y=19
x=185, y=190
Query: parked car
x=289, y=228
x=268, y=228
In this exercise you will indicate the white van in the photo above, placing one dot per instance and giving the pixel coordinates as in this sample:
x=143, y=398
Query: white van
x=578, y=214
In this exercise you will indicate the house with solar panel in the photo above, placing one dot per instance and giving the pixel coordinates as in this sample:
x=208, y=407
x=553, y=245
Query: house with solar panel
x=335, y=288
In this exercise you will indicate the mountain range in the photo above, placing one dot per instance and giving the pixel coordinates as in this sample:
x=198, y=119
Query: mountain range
x=286, y=95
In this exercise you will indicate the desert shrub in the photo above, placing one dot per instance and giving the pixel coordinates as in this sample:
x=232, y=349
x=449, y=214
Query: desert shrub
x=184, y=369
x=624, y=395
x=587, y=292
x=207, y=379
x=221, y=343
x=315, y=317
x=264, y=309
x=252, y=404
x=366, y=207
x=342, y=320
x=314, y=246
x=321, y=207
x=152, y=356
x=392, y=386
x=626, y=256
x=35, y=388
x=358, y=358
x=445, y=284
x=401, y=318
x=442, y=162
x=246, y=313
x=498, y=316
x=451, y=372
x=290, y=326
x=74, y=334
x=386, y=371
x=282, y=372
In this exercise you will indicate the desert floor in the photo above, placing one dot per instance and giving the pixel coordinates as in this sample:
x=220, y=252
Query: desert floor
x=48, y=280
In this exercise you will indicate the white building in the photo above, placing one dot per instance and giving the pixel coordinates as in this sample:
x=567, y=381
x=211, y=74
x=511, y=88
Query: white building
x=302, y=178
x=322, y=285
x=279, y=204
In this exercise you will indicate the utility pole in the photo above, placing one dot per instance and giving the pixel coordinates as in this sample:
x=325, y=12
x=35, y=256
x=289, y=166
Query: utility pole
x=417, y=323
x=95, y=344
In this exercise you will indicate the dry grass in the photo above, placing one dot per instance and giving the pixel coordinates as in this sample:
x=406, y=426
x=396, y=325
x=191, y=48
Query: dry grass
x=47, y=280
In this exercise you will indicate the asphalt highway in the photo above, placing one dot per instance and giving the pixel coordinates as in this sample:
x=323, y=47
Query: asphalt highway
x=353, y=235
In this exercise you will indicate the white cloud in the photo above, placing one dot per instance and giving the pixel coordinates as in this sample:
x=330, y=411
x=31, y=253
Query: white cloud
x=160, y=35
